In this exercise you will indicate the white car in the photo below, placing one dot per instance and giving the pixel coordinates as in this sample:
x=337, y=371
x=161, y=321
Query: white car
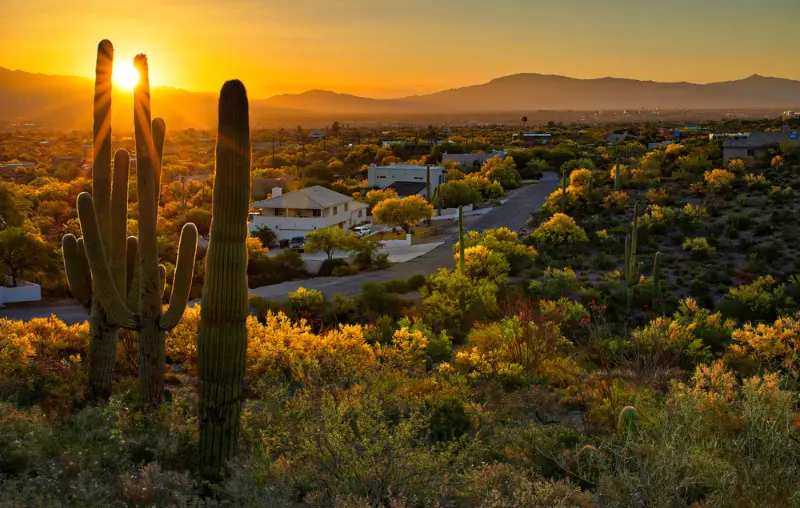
x=363, y=230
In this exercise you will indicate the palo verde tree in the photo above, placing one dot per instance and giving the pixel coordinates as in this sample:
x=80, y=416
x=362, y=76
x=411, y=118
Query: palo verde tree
x=329, y=240
x=222, y=341
x=403, y=212
x=21, y=253
x=110, y=287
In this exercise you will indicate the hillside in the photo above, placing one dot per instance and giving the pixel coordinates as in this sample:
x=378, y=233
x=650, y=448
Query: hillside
x=62, y=100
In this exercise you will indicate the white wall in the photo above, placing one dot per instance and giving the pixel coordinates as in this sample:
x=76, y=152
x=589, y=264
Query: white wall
x=24, y=292
x=384, y=176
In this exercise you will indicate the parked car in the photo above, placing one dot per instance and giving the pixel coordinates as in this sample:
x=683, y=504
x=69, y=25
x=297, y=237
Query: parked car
x=362, y=230
x=297, y=243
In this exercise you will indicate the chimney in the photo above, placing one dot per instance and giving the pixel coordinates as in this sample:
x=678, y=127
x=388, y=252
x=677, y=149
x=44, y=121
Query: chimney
x=277, y=192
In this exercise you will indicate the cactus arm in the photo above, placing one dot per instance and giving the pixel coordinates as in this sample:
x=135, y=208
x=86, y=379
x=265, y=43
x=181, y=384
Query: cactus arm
x=132, y=265
x=182, y=280
x=119, y=220
x=77, y=278
x=162, y=279
x=102, y=281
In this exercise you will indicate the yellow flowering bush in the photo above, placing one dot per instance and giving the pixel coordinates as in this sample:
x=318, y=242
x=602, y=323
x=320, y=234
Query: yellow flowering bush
x=756, y=181
x=501, y=240
x=291, y=349
x=719, y=180
x=482, y=263
x=736, y=166
x=772, y=347
x=305, y=298
x=658, y=217
x=616, y=201
x=656, y=196
x=698, y=247
x=561, y=229
x=624, y=172
x=694, y=214
x=408, y=349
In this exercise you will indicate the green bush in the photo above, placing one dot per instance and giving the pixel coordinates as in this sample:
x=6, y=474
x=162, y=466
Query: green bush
x=329, y=265
x=416, y=281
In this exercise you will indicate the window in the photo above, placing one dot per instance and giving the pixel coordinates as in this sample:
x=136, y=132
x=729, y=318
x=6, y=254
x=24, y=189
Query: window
x=316, y=213
x=279, y=212
x=335, y=210
x=381, y=176
x=360, y=212
x=751, y=152
x=345, y=206
x=418, y=178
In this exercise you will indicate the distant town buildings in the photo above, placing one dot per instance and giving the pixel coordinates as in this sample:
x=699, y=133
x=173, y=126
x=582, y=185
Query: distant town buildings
x=316, y=134
x=406, y=179
x=533, y=138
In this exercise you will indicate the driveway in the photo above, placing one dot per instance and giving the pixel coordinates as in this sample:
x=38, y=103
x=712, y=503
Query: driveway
x=514, y=214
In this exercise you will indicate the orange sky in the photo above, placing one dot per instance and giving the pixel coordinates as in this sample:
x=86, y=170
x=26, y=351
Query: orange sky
x=389, y=49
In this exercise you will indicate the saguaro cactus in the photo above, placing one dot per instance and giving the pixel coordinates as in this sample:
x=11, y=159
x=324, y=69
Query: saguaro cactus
x=428, y=184
x=147, y=318
x=222, y=343
x=617, y=180
x=461, y=238
x=111, y=201
x=631, y=268
x=590, y=191
x=657, y=280
x=628, y=422
x=564, y=192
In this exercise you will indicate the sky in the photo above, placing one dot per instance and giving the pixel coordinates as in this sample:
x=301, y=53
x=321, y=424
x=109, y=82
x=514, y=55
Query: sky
x=381, y=49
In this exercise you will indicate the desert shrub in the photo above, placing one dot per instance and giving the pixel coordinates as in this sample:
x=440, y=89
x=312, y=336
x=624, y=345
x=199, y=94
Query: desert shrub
x=656, y=196
x=482, y=263
x=266, y=235
x=719, y=180
x=616, y=201
x=396, y=286
x=452, y=301
x=757, y=181
x=375, y=298
x=504, y=241
x=664, y=344
x=657, y=218
x=770, y=347
x=457, y=194
x=710, y=327
x=329, y=265
x=698, y=247
x=305, y=299
x=754, y=301
x=555, y=284
x=416, y=281
x=560, y=230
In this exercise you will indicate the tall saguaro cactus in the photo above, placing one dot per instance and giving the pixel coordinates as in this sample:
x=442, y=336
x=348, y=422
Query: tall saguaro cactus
x=564, y=192
x=617, y=178
x=222, y=342
x=631, y=269
x=111, y=201
x=144, y=314
x=461, y=238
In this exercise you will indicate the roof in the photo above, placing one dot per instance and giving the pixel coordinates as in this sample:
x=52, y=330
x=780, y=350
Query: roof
x=760, y=139
x=310, y=198
x=406, y=166
x=405, y=189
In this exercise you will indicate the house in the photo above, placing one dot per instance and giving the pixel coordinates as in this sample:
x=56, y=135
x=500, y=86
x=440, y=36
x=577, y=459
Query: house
x=469, y=160
x=385, y=176
x=302, y=211
x=616, y=138
x=756, y=144
x=261, y=187
x=533, y=138
x=316, y=134
x=653, y=146
x=58, y=160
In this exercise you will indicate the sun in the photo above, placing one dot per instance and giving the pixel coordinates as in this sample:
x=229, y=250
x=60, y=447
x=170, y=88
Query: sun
x=126, y=76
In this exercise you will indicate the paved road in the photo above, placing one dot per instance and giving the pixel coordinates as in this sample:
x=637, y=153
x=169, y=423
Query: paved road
x=513, y=215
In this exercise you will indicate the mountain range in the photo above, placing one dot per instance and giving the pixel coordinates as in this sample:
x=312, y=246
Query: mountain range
x=64, y=101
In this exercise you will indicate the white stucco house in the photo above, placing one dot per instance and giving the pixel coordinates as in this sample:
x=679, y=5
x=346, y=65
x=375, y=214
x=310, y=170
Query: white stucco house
x=406, y=179
x=299, y=212
x=757, y=144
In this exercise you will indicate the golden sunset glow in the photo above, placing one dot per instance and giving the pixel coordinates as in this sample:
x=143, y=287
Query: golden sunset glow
x=125, y=75
x=358, y=47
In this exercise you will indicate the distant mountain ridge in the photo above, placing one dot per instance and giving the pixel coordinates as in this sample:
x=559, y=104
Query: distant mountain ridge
x=64, y=101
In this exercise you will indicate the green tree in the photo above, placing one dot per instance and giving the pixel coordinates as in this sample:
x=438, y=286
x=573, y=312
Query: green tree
x=266, y=235
x=14, y=206
x=403, y=212
x=503, y=171
x=328, y=240
x=458, y=194
x=375, y=196
x=21, y=253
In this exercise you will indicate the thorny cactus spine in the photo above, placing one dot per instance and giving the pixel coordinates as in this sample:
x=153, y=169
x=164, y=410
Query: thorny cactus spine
x=117, y=302
x=222, y=341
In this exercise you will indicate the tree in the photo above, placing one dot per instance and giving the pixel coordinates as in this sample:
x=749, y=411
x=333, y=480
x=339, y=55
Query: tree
x=328, y=240
x=14, y=206
x=455, y=194
x=375, y=196
x=21, y=253
x=403, y=212
x=266, y=235
x=503, y=171
x=524, y=120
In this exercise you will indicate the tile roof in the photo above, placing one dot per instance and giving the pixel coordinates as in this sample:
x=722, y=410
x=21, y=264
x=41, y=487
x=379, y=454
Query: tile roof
x=310, y=198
